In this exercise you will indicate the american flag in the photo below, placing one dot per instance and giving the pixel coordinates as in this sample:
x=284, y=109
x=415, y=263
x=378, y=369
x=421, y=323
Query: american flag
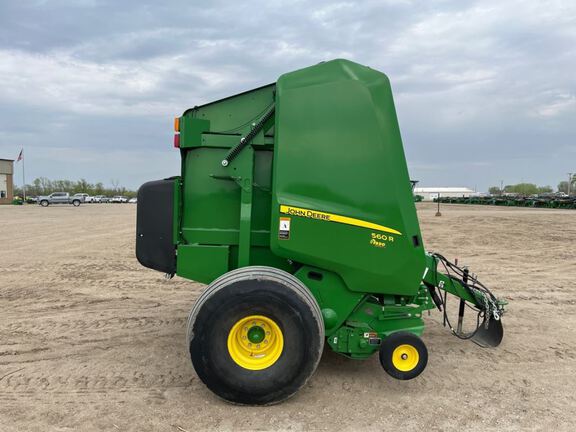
x=20, y=156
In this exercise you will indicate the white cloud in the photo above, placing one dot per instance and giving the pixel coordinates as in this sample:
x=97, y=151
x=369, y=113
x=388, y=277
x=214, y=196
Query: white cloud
x=561, y=103
x=67, y=84
x=61, y=82
x=484, y=79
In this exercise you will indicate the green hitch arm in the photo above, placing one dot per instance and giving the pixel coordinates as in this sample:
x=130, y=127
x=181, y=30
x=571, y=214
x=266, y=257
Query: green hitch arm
x=460, y=283
x=444, y=282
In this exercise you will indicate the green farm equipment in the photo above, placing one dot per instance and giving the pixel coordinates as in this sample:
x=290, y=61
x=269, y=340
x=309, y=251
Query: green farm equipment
x=295, y=206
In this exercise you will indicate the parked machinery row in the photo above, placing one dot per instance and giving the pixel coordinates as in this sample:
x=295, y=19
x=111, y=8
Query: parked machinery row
x=540, y=201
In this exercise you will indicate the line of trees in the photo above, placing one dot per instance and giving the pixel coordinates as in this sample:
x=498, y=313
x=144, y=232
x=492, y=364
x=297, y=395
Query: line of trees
x=532, y=189
x=45, y=186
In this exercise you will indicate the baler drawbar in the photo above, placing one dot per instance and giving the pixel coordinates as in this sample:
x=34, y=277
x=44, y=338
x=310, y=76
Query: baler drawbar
x=294, y=205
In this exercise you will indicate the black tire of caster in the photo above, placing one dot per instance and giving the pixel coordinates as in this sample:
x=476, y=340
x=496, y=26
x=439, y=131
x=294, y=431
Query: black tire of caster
x=403, y=355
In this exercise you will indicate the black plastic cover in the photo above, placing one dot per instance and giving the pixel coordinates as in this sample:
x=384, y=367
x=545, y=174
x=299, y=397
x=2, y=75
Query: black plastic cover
x=154, y=226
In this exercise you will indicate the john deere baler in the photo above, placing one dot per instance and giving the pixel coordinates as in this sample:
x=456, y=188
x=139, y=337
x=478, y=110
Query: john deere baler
x=295, y=206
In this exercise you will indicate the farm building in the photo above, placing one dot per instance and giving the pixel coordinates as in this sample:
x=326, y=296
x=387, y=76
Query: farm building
x=6, y=182
x=429, y=193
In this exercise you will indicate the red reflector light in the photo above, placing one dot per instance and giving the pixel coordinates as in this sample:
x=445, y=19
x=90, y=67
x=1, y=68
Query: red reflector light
x=176, y=140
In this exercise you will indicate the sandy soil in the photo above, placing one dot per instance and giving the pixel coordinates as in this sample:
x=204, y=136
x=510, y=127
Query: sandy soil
x=89, y=340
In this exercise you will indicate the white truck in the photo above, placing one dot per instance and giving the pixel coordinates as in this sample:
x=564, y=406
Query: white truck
x=85, y=197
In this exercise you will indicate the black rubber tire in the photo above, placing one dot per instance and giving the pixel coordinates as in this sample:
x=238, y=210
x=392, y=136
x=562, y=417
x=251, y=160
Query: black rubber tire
x=391, y=343
x=255, y=291
x=44, y=203
x=75, y=203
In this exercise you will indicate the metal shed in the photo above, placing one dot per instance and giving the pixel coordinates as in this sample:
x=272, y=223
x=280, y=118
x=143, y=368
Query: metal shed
x=6, y=181
x=430, y=193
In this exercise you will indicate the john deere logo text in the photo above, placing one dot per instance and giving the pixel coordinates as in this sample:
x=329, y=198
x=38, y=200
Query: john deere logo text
x=306, y=213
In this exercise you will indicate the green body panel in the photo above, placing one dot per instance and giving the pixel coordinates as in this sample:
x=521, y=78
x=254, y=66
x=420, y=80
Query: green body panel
x=192, y=130
x=209, y=262
x=233, y=115
x=177, y=213
x=336, y=301
x=338, y=150
x=330, y=163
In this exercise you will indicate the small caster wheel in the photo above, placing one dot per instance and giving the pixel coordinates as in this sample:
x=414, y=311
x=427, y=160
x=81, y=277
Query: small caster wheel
x=403, y=355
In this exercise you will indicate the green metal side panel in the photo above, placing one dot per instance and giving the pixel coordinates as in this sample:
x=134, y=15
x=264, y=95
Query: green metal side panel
x=177, y=213
x=335, y=300
x=191, y=130
x=225, y=206
x=341, y=175
x=211, y=198
x=202, y=263
x=235, y=114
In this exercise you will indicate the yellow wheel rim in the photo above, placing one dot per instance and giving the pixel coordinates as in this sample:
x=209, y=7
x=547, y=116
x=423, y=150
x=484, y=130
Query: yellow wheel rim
x=405, y=357
x=255, y=342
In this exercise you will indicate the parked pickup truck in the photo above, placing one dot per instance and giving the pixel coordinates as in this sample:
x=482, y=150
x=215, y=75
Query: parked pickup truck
x=60, y=198
x=119, y=199
x=85, y=198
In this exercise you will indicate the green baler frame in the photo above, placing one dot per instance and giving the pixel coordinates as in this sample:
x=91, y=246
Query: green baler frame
x=322, y=191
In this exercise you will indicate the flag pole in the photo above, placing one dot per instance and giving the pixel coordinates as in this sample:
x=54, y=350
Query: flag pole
x=23, y=176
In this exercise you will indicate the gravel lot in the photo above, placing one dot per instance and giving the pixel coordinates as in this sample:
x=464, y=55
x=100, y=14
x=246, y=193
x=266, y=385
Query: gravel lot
x=90, y=340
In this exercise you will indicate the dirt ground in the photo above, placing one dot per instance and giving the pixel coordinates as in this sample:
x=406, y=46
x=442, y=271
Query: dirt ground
x=90, y=340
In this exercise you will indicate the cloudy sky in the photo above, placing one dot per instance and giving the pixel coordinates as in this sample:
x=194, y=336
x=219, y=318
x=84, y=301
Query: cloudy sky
x=485, y=90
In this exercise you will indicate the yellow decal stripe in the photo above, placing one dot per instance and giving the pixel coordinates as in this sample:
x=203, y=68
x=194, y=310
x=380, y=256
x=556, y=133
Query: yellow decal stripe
x=329, y=217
